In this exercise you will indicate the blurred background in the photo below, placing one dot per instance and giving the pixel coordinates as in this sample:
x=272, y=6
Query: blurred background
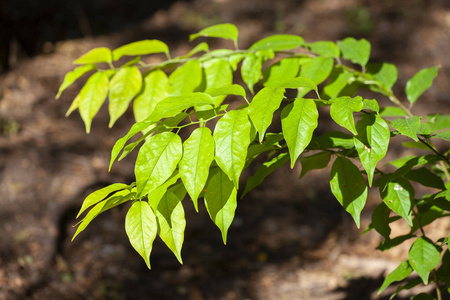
x=290, y=239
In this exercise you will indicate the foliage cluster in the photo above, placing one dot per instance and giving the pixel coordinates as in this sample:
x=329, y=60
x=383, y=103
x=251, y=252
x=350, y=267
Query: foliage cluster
x=196, y=94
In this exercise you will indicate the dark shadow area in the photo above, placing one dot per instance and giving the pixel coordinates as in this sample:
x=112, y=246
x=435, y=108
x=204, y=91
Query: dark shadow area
x=30, y=27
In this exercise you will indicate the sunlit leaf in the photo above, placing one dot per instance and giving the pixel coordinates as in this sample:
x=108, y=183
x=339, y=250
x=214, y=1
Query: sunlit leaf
x=281, y=71
x=232, y=138
x=398, y=195
x=156, y=161
x=357, y=51
x=141, y=48
x=298, y=121
x=185, y=79
x=96, y=55
x=125, y=84
x=420, y=82
x=154, y=90
x=371, y=142
x=74, y=75
x=325, y=48
x=279, y=42
x=400, y=273
x=92, y=96
x=262, y=107
x=141, y=228
x=99, y=195
x=224, y=31
x=338, y=80
x=407, y=126
x=342, y=110
x=218, y=73
x=198, y=154
x=318, y=69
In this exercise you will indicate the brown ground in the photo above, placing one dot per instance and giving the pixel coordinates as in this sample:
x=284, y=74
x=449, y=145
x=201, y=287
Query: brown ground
x=290, y=239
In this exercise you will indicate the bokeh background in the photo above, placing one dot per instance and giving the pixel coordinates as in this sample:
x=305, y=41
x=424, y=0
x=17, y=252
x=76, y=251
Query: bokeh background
x=290, y=239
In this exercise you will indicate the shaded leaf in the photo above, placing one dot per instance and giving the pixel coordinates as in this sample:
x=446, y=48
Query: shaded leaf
x=349, y=187
x=400, y=273
x=221, y=200
x=334, y=139
x=386, y=74
x=172, y=223
x=338, y=80
x=423, y=257
x=380, y=220
x=426, y=178
x=398, y=195
x=265, y=170
x=314, y=162
x=443, y=135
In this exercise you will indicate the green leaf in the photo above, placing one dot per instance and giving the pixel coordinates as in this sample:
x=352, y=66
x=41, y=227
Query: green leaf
x=314, y=162
x=156, y=161
x=73, y=106
x=371, y=142
x=391, y=243
x=232, y=138
x=325, y=48
x=318, y=69
x=281, y=71
x=154, y=90
x=185, y=79
x=118, y=146
x=409, y=285
x=298, y=121
x=280, y=42
x=172, y=106
x=426, y=178
x=299, y=82
x=156, y=196
x=380, y=220
x=420, y=82
x=371, y=104
x=74, y=75
x=218, y=74
x=198, y=154
x=384, y=73
x=265, y=170
x=234, y=89
x=443, y=135
x=141, y=48
x=141, y=228
x=334, y=139
x=270, y=143
x=416, y=145
x=407, y=127
x=342, y=109
x=224, y=31
x=92, y=96
x=125, y=84
x=349, y=187
x=221, y=200
x=400, y=273
x=202, y=47
x=262, y=107
x=251, y=70
x=398, y=195
x=357, y=52
x=99, y=195
x=203, y=115
x=392, y=111
x=96, y=55
x=423, y=257
x=338, y=80
x=170, y=216
x=423, y=296
x=438, y=122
